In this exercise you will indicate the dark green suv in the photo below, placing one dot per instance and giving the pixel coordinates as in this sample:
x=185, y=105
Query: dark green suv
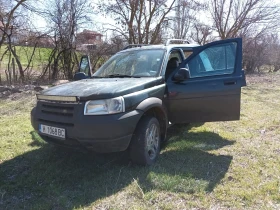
x=131, y=100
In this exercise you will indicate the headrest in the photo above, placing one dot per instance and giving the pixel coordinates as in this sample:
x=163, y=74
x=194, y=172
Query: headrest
x=173, y=63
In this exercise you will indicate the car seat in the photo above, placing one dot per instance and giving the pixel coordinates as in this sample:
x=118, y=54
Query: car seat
x=172, y=64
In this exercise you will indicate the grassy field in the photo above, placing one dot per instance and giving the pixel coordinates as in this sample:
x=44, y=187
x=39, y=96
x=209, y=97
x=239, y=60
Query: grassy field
x=40, y=58
x=223, y=165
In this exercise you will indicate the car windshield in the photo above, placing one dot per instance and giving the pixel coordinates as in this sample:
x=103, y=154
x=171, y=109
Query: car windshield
x=137, y=63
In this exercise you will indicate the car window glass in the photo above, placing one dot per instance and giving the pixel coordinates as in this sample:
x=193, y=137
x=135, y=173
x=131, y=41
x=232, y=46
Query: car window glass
x=133, y=63
x=173, y=63
x=215, y=60
x=84, y=65
x=175, y=54
x=187, y=53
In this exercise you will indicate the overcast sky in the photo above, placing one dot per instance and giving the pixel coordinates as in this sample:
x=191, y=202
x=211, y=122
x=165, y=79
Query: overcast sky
x=98, y=20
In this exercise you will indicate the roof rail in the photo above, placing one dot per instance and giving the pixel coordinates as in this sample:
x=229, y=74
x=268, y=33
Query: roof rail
x=168, y=42
x=134, y=45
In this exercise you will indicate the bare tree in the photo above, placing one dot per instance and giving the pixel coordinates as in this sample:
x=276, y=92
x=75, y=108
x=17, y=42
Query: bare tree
x=101, y=54
x=252, y=20
x=201, y=33
x=230, y=17
x=8, y=11
x=65, y=18
x=185, y=17
x=254, y=53
x=118, y=42
x=13, y=29
x=273, y=49
x=138, y=21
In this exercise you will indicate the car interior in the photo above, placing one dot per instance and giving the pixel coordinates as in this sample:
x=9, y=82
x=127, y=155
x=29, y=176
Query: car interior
x=172, y=65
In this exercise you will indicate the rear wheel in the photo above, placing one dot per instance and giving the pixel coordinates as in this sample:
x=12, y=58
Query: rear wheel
x=145, y=145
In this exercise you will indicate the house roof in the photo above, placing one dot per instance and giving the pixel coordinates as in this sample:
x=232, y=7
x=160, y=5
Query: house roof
x=85, y=31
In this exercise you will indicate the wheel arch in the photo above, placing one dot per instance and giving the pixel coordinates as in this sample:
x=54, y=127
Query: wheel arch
x=155, y=107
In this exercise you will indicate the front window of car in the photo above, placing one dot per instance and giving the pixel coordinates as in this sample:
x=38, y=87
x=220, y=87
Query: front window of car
x=136, y=63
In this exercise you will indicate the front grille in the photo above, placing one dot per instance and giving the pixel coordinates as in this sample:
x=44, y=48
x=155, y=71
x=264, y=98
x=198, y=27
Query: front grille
x=55, y=109
x=56, y=113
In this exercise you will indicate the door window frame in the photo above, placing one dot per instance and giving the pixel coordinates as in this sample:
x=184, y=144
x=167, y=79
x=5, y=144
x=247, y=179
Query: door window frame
x=209, y=70
x=237, y=69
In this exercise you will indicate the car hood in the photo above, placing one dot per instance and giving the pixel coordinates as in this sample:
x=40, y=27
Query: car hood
x=102, y=88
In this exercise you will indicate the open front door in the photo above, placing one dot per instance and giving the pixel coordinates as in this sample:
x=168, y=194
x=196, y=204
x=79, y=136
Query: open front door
x=85, y=66
x=212, y=91
x=84, y=69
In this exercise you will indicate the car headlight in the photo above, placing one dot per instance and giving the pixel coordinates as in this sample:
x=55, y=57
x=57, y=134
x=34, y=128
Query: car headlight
x=107, y=106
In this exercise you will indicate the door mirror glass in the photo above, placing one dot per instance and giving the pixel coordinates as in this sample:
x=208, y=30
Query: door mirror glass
x=182, y=74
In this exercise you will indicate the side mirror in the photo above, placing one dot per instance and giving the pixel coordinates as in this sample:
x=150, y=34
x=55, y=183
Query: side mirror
x=80, y=76
x=182, y=74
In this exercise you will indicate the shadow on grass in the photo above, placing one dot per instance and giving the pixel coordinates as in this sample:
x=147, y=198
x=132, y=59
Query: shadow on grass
x=50, y=178
x=37, y=141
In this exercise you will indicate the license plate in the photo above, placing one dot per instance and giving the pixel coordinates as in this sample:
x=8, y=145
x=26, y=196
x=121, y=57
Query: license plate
x=52, y=131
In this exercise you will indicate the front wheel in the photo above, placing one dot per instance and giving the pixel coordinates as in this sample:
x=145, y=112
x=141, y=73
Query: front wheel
x=145, y=144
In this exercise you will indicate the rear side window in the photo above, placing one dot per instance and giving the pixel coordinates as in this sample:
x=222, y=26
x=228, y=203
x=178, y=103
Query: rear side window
x=175, y=54
x=187, y=53
x=216, y=60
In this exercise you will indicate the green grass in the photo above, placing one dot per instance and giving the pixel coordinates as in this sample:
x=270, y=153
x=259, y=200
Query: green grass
x=40, y=58
x=222, y=165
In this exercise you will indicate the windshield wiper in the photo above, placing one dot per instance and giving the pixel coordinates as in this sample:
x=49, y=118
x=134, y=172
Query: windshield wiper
x=96, y=77
x=121, y=76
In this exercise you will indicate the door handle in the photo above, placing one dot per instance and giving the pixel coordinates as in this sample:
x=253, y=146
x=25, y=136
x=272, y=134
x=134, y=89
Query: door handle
x=230, y=83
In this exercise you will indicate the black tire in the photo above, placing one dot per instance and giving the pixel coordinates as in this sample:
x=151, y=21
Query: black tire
x=145, y=143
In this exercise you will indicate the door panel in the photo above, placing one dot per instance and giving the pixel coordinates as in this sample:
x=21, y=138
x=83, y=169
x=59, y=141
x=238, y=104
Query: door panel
x=213, y=91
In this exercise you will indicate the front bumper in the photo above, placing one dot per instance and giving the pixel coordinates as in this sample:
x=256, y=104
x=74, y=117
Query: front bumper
x=106, y=133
